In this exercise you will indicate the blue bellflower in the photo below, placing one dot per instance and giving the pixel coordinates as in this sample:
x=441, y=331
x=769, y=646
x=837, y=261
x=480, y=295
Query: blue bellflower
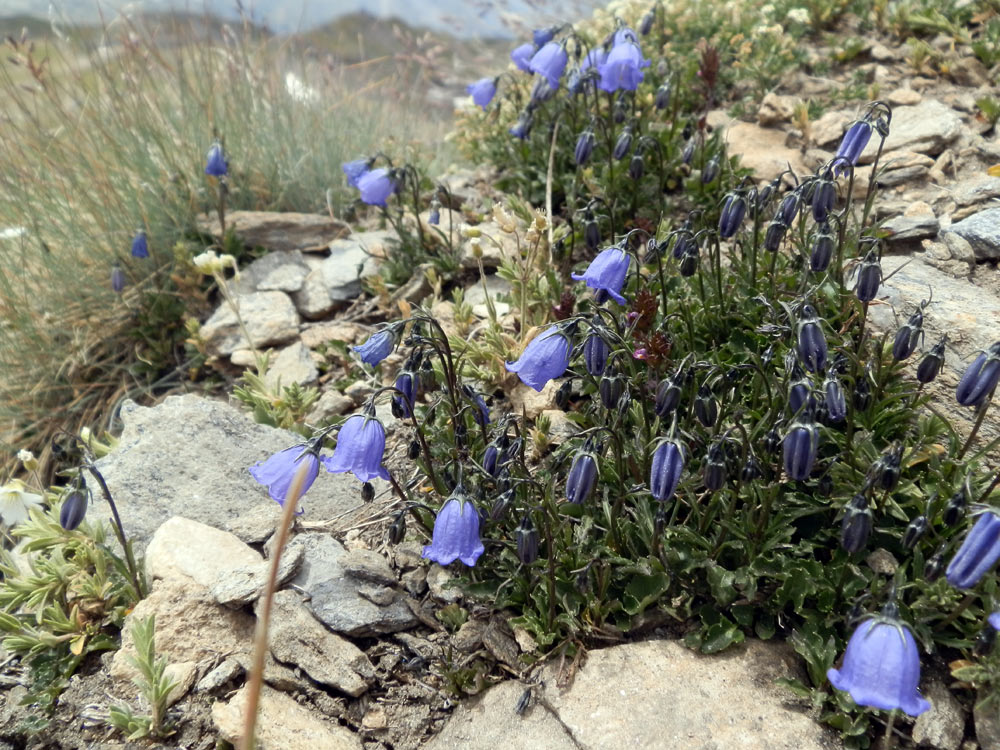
x=354, y=170
x=456, y=534
x=582, y=477
x=881, y=667
x=376, y=186
x=406, y=384
x=544, y=36
x=800, y=446
x=623, y=68
x=666, y=468
x=980, y=378
x=117, y=278
x=522, y=56
x=215, y=161
x=276, y=473
x=482, y=91
x=851, y=147
x=359, y=450
x=607, y=271
x=545, y=357
x=550, y=62
x=378, y=346
x=140, y=245
x=979, y=552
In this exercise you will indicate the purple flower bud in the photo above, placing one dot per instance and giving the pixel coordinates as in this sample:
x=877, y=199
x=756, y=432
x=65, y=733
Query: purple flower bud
x=665, y=472
x=456, y=533
x=930, y=365
x=715, y=469
x=733, y=211
x=881, y=667
x=955, y=508
x=611, y=390
x=74, y=509
x=591, y=233
x=711, y=170
x=915, y=531
x=607, y=271
x=550, y=62
x=522, y=128
x=853, y=143
x=668, y=396
x=595, y=354
x=582, y=477
x=527, y=542
x=869, y=277
x=662, y=98
x=980, y=378
x=522, y=56
x=688, y=153
x=856, y=526
x=140, y=245
x=801, y=444
x=545, y=357
x=490, y=456
x=215, y=161
x=360, y=447
x=402, y=402
x=774, y=235
x=636, y=167
x=706, y=408
x=822, y=249
x=689, y=261
x=540, y=92
x=824, y=197
x=584, y=147
x=836, y=404
x=788, y=209
x=799, y=394
x=117, y=278
x=482, y=91
x=623, y=144
x=542, y=37
x=979, y=552
x=646, y=24
x=812, y=343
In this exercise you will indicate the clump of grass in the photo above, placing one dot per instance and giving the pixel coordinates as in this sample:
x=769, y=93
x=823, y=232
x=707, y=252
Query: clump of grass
x=105, y=133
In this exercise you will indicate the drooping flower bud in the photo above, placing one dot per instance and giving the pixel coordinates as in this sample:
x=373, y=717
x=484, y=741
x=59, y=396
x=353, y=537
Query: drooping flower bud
x=934, y=567
x=915, y=531
x=402, y=402
x=611, y=389
x=706, y=408
x=955, y=508
x=863, y=391
x=733, y=211
x=527, y=542
x=751, y=469
x=774, y=235
x=636, y=167
x=591, y=232
x=668, y=396
x=885, y=471
x=623, y=145
x=851, y=146
x=822, y=249
x=907, y=337
x=711, y=170
x=824, y=196
x=413, y=450
x=799, y=394
x=74, y=508
x=930, y=365
x=666, y=468
x=397, y=529
x=857, y=525
x=715, y=468
x=662, y=98
x=584, y=147
x=812, y=343
x=367, y=492
x=836, y=404
x=501, y=505
x=984, y=641
x=646, y=24
x=490, y=459
x=582, y=477
x=800, y=447
x=788, y=209
x=689, y=261
x=595, y=353
x=980, y=378
x=869, y=277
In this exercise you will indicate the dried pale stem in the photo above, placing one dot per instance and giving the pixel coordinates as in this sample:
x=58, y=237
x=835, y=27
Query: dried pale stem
x=295, y=491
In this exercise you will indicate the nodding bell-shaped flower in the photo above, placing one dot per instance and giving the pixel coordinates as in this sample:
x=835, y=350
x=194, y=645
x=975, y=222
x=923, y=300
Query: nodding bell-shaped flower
x=662, y=98
x=773, y=236
x=869, y=277
x=824, y=196
x=646, y=24
x=522, y=56
x=117, y=278
x=378, y=346
x=800, y=394
x=402, y=402
x=607, y=271
x=822, y=249
x=622, y=70
x=979, y=552
x=711, y=170
x=836, y=403
x=706, y=407
x=853, y=143
x=482, y=91
x=788, y=209
x=668, y=396
x=955, y=508
x=812, y=343
x=623, y=144
x=354, y=170
x=74, y=508
x=140, y=245
x=550, y=62
x=376, y=186
x=545, y=357
x=522, y=128
x=541, y=92
x=595, y=354
x=915, y=531
x=907, y=337
x=930, y=365
x=276, y=473
x=543, y=36
x=584, y=147
x=666, y=468
x=881, y=666
x=800, y=446
x=360, y=446
x=733, y=211
x=527, y=541
x=215, y=161
x=715, y=468
x=582, y=477
x=857, y=525
x=980, y=378
x=456, y=533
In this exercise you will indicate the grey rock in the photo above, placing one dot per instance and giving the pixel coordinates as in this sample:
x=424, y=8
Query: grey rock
x=270, y=318
x=186, y=549
x=297, y=638
x=358, y=391
x=561, y=427
x=278, y=230
x=618, y=699
x=976, y=191
x=282, y=724
x=380, y=595
x=245, y=584
x=830, y=128
x=335, y=599
x=911, y=228
x=476, y=296
x=312, y=300
x=987, y=725
x=224, y=673
x=926, y=128
x=256, y=524
x=331, y=404
x=469, y=637
x=776, y=109
x=902, y=176
x=982, y=232
x=367, y=565
x=408, y=555
x=494, y=246
x=463, y=186
x=763, y=150
x=959, y=248
x=189, y=457
x=293, y=364
x=352, y=258
x=440, y=581
x=501, y=644
x=943, y=726
x=414, y=581
x=274, y=272
x=316, y=335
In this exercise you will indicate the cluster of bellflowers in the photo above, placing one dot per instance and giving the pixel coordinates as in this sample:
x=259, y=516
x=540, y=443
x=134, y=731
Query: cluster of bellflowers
x=734, y=410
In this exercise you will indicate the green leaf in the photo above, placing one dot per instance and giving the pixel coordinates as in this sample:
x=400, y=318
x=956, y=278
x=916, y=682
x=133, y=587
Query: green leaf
x=643, y=590
x=720, y=636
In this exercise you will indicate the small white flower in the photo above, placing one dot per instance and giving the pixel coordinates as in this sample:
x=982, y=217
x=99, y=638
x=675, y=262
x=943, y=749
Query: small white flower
x=798, y=15
x=27, y=458
x=15, y=503
x=211, y=263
